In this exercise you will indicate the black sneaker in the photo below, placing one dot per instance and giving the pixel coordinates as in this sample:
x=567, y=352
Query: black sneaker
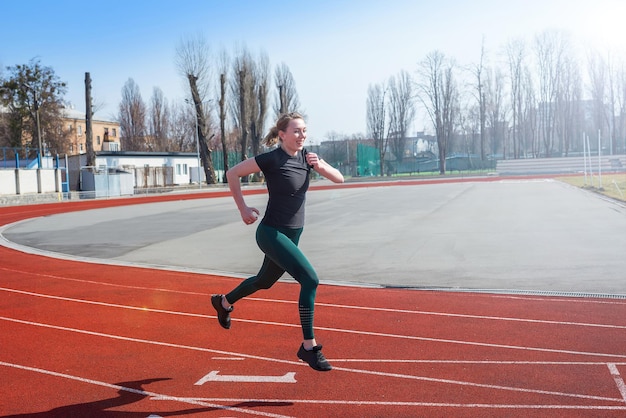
x=315, y=358
x=223, y=314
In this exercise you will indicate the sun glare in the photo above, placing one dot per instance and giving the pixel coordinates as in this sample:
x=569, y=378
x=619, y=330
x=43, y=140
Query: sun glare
x=605, y=28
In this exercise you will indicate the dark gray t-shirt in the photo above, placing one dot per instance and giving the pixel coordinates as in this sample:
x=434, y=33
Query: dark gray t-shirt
x=287, y=179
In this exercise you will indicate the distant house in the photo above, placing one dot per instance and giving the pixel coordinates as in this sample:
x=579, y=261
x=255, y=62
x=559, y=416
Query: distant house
x=105, y=134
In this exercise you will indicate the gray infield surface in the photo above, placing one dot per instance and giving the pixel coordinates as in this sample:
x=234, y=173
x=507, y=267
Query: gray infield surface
x=505, y=235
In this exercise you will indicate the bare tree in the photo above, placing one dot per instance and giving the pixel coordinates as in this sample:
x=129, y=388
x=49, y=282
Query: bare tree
x=612, y=105
x=132, y=117
x=469, y=124
x=242, y=98
x=438, y=93
x=515, y=52
x=598, y=82
x=550, y=47
x=479, y=91
x=401, y=111
x=260, y=103
x=495, y=110
x=224, y=74
x=249, y=100
x=193, y=60
x=158, y=121
x=287, y=96
x=620, y=107
x=569, y=116
x=376, y=121
x=181, y=129
x=530, y=119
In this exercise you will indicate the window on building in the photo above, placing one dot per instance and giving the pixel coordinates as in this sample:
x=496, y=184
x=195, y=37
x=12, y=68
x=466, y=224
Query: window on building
x=181, y=169
x=98, y=139
x=81, y=147
x=114, y=146
x=113, y=132
x=80, y=130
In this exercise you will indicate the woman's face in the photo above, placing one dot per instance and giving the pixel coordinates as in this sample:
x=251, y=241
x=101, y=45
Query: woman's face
x=294, y=136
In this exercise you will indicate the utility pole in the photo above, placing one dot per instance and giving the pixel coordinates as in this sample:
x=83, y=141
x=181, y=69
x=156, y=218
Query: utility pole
x=222, y=123
x=91, y=156
x=281, y=95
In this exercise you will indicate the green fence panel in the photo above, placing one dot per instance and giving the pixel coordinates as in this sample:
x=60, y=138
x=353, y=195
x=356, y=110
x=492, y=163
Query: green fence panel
x=368, y=160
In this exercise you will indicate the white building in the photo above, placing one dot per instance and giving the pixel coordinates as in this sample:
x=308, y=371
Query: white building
x=149, y=169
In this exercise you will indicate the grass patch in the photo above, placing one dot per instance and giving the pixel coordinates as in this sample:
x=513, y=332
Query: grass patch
x=612, y=185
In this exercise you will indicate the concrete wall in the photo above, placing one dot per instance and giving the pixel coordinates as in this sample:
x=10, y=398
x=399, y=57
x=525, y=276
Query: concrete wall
x=565, y=165
x=22, y=182
x=7, y=182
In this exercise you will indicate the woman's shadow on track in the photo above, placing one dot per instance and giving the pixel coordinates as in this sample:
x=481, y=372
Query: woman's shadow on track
x=131, y=392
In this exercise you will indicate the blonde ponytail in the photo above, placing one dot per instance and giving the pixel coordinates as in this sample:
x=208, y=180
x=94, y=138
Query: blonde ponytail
x=272, y=137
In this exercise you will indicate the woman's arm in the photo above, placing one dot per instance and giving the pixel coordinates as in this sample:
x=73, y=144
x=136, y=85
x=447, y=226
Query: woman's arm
x=323, y=168
x=244, y=168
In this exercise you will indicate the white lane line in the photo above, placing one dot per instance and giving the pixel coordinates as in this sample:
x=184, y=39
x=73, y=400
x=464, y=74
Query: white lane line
x=494, y=318
x=344, y=331
x=159, y=396
x=109, y=305
x=143, y=341
x=123, y=286
x=498, y=362
x=364, y=308
x=621, y=386
x=275, y=360
x=420, y=404
x=215, y=376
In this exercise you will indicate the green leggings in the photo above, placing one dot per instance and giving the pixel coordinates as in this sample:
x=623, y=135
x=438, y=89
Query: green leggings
x=282, y=254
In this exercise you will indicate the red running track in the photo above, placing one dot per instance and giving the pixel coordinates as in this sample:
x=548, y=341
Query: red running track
x=88, y=340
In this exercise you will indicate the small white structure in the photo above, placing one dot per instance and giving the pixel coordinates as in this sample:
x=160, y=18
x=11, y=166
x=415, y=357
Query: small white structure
x=148, y=169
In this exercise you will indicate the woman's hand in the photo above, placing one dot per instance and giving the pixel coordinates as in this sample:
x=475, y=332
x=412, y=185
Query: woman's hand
x=323, y=168
x=312, y=159
x=249, y=215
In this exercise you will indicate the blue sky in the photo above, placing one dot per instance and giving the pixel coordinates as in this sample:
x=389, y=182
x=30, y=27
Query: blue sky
x=334, y=49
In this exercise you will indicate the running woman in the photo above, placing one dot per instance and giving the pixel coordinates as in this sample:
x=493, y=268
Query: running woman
x=286, y=170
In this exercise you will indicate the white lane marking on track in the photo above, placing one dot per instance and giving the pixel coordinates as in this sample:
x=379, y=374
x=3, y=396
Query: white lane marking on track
x=495, y=318
x=357, y=371
x=159, y=396
x=215, y=376
x=563, y=299
x=228, y=275
x=421, y=404
x=345, y=331
x=123, y=286
x=621, y=386
x=498, y=362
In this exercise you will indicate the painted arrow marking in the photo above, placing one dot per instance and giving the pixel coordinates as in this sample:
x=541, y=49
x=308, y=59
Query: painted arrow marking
x=214, y=376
